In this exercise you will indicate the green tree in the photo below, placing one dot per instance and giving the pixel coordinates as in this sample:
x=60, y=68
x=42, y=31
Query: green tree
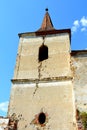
x=83, y=116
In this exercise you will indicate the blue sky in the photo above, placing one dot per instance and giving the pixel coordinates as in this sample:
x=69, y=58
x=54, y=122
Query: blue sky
x=26, y=16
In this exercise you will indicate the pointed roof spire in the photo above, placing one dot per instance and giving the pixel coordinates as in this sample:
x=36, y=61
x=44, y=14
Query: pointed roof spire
x=47, y=22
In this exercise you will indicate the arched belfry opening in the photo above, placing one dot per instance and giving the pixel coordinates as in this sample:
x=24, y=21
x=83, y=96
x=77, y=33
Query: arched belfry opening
x=43, y=53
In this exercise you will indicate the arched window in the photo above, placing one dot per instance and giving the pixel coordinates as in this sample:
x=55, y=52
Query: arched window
x=43, y=53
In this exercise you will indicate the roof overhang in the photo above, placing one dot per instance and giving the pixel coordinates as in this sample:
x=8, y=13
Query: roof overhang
x=47, y=32
x=78, y=52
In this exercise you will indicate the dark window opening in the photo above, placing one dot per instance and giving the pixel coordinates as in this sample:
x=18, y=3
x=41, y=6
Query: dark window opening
x=42, y=118
x=43, y=53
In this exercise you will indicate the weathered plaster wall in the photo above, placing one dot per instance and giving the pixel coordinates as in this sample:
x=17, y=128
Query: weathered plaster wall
x=80, y=80
x=44, y=86
x=57, y=64
x=53, y=98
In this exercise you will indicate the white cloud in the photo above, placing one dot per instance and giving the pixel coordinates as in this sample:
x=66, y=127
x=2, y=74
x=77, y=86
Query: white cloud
x=79, y=24
x=74, y=29
x=76, y=23
x=4, y=106
x=75, y=26
x=83, y=21
x=83, y=29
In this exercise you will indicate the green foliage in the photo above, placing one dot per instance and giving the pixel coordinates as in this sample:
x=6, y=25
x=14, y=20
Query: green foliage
x=83, y=117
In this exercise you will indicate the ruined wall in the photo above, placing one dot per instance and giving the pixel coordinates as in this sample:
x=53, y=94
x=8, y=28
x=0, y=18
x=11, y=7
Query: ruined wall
x=3, y=123
x=9, y=123
x=79, y=61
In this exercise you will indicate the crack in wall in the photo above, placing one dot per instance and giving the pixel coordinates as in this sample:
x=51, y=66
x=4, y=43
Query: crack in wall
x=35, y=89
x=39, y=71
x=39, y=77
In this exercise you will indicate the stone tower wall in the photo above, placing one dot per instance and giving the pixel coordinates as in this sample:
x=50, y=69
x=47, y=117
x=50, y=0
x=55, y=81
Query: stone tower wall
x=55, y=99
x=80, y=80
x=57, y=64
x=45, y=86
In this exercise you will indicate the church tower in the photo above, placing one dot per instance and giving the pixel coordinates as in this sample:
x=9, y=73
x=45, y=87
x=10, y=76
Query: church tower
x=42, y=89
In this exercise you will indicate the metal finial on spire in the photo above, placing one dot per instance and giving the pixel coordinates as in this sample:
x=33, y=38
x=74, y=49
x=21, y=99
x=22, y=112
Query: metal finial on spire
x=46, y=9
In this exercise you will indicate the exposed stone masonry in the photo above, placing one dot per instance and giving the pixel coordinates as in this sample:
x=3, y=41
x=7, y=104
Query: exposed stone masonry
x=9, y=123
